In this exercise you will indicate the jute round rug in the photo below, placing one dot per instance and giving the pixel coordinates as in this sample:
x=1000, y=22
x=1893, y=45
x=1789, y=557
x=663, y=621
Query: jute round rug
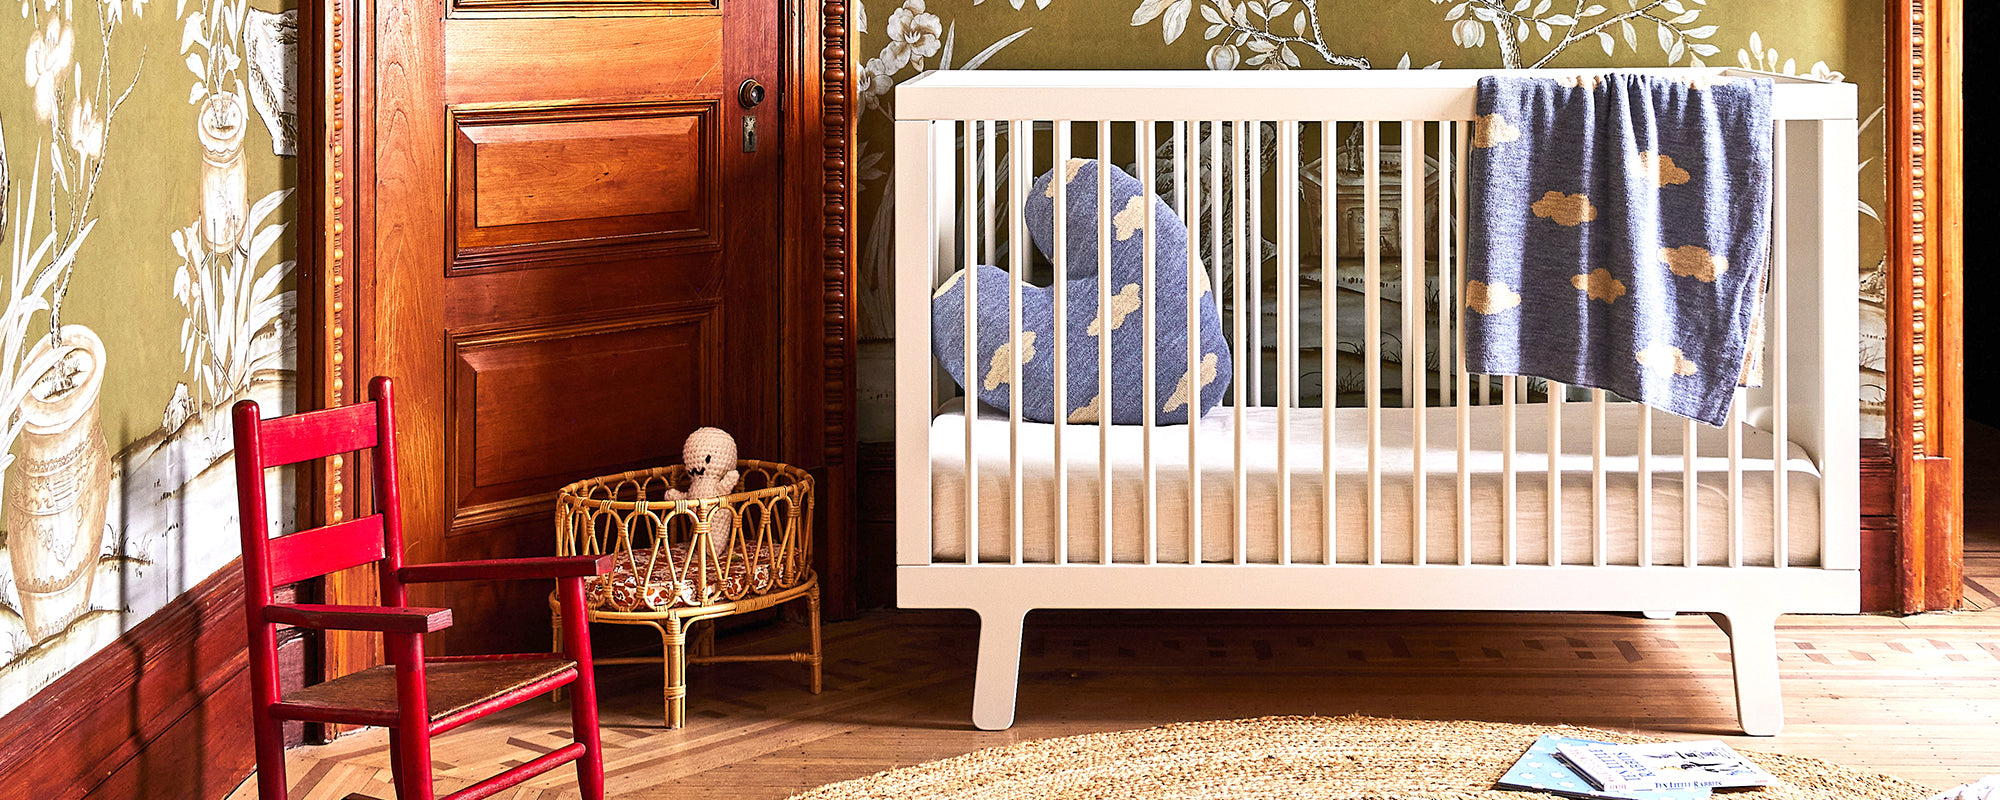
x=1347, y=758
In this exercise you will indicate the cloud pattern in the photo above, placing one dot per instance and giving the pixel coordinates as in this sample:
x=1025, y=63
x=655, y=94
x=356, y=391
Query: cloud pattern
x=1650, y=197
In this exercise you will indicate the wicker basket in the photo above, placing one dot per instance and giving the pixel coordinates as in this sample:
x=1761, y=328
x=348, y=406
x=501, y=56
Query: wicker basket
x=665, y=555
x=669, y=573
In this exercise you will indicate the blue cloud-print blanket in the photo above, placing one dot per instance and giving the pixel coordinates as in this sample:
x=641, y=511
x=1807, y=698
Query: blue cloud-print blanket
x=1617, y=234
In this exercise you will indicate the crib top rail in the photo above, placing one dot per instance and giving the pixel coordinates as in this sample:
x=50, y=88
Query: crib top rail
x=1440, y=94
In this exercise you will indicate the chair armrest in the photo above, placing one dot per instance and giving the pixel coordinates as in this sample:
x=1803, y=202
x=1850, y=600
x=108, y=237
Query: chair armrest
x=508, y=569
x=359, y=618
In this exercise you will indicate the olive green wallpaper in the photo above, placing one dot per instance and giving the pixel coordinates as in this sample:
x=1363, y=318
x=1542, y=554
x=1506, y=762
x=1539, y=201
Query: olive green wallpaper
x=145, y=213
x=897, y=39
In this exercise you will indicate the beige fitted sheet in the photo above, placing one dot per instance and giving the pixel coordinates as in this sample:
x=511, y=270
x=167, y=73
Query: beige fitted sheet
x=1755, y=536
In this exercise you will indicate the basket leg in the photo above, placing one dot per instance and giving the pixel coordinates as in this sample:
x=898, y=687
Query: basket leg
x=673, y=643
x=555, y=625
x=812, y=611
x=701, y=642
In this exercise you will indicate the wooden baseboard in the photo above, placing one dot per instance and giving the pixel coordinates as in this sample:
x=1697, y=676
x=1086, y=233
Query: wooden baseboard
x=163, y=711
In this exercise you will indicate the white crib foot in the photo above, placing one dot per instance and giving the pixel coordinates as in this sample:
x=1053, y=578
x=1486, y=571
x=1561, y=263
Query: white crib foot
x=1658, y=614
x=999, y=671
x=1753, y=652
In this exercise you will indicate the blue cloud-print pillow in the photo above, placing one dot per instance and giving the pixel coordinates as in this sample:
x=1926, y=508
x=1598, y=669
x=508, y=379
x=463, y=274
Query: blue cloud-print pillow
x=1175, y=388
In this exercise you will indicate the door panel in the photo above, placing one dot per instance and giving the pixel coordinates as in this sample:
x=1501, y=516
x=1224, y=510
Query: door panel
x=527, y=412
x=531, y=180
x=605, y=276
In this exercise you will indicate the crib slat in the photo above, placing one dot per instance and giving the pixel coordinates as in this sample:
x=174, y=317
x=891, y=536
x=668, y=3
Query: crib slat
x=1148, y=181
x=1444, y=254
x=1288, y=320
x=973, y=227
x=1329, y=324
x=925, y=251
x=989, y=187
x=1239, y=225
x=1780, y=323
x=1690, y=487
x=1104, y=385
x=1736, y=506
x=1255, y=273
x=1371, y=316
x=1645, y=521
x=1020, y=163
x=1452, y=221
x=1509, y=486
x=1597, y=517
x=1414, y=366
x=1218, y=234
x=1187, y=185
x=1553, y=393
x=1060, y=266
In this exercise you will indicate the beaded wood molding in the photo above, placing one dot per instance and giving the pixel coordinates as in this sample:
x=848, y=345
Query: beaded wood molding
x=1922, y=237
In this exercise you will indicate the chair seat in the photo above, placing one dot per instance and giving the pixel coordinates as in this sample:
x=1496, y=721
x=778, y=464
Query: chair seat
x=368, y=697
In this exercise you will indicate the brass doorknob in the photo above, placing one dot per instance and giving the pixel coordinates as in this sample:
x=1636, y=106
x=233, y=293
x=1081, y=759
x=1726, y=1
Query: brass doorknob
x=750, y=94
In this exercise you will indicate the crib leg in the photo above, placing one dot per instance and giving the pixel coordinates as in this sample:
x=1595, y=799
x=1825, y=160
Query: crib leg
x=1753, y=651
x=1658, y=614
x=999, y=672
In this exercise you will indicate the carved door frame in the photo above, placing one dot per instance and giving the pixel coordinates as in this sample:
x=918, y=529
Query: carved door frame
x=1925, y=222
x=337, y=123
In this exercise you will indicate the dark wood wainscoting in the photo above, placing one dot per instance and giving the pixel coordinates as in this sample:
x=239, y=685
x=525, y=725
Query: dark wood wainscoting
x=162, y=712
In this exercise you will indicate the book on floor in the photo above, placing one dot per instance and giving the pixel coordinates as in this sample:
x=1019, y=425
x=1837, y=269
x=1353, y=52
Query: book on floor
x=1709, y=763
x=1542, y=769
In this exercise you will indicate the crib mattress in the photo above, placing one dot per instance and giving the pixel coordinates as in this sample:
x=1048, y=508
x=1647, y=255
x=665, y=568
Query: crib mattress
x=1352, y=538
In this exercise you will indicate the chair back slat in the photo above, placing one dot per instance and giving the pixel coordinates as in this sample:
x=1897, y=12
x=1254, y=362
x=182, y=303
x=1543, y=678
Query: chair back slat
x=317, y=551
x=318, y=434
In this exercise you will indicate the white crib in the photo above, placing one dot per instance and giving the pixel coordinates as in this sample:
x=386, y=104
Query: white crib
x=986, y=521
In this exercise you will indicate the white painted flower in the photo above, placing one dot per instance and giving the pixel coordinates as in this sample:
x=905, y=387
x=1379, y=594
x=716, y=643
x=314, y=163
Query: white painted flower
x=875, y=80
x=1224, y=57
x=914, y=35
x=86, y=128
x=49, y=56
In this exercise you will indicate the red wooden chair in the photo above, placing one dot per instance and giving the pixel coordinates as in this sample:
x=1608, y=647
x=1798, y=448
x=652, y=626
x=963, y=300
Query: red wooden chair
x=413, y=696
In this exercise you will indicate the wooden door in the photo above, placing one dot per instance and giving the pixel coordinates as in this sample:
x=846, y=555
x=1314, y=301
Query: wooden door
x=576, y=260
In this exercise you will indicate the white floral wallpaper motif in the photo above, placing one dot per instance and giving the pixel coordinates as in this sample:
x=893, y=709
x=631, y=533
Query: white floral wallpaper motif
x=127, y=217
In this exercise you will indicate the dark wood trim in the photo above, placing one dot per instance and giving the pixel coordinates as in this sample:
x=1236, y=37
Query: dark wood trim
x=835, y=235
x=163, y=711
x=1926, y=359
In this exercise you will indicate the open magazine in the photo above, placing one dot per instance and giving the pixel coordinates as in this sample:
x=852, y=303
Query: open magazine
x=1543, y=769
x=1705, y=763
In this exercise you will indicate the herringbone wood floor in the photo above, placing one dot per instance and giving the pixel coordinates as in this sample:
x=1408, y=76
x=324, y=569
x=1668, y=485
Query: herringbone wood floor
x=1917, y=697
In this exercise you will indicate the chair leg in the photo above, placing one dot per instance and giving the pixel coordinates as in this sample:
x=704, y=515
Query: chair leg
x=583, y=717
x=410, y=764
x=271, y=784
x=812, y=605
